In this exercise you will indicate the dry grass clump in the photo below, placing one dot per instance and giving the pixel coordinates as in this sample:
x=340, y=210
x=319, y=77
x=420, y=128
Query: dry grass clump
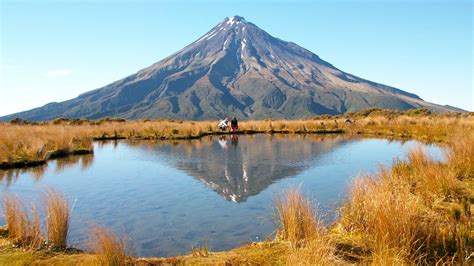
x=25, y=231
x=461, y=155
x=317, y=251
x=296, y=218
x=22, y=230
x=418, y=124
x=433, y=181
x=388, y=215
x=57, y=218
x=292, y=126
x=297, y=223
x=110, y=249
x=414, y=212
x=200, y=251
x=36, y=143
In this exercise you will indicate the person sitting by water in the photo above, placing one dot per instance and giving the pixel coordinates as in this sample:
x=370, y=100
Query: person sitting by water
x=234, y=124
x=223, y=124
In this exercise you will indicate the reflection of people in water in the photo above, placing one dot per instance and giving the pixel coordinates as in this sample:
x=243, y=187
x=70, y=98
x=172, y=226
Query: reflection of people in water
x=234, y=140
x=223, y=142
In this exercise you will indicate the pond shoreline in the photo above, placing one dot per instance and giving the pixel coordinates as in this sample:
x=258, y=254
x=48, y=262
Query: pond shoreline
x=63, y=153
x=28, y=144
x=53, y=155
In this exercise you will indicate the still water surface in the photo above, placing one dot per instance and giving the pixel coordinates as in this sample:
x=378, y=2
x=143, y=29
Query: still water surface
x=169, y=196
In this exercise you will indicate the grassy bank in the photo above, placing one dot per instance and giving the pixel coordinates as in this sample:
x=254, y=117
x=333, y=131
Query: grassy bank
x=418, y=211
x=28, y=144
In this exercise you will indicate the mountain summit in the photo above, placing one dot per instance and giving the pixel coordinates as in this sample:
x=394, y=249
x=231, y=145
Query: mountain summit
x=235, y=69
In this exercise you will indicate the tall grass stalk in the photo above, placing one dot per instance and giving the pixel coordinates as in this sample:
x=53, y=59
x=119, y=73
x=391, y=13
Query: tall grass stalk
x=297, y=223
x=111, y=249
x=21, y=229
x=296, y=218
x=57, y=218
x=15, y=217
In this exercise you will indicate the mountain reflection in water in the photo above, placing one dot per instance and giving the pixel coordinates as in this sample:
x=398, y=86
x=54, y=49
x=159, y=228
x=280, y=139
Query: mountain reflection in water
x=237, y=168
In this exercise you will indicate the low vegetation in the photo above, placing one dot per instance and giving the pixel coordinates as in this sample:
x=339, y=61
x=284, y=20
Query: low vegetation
x=110, y=249
x=31, y=145
x=298, y=224
x=24, y=143
x=418, y=211
x=57, y=218
x=23, y=224
x=22, y=230
x=296, y=218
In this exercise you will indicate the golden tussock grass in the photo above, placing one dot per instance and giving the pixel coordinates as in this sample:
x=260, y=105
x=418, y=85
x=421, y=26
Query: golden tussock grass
x=297, y=223
x=295, y=217
x=461, y=155
x=414, y=212
x=20, y=143
x=316, y=251
x=110, y=249
x=22, y=230
x=200, y=251
x=26, y=231
x=57, y=218
x=386, y=214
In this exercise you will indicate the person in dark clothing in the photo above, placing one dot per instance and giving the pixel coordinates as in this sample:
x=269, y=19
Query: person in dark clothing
x=234, y=124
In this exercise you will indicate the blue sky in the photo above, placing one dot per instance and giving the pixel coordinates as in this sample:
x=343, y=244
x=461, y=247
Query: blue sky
x=55, y=50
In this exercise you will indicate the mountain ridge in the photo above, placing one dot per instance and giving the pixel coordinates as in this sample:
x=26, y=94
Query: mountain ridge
x=235, y=69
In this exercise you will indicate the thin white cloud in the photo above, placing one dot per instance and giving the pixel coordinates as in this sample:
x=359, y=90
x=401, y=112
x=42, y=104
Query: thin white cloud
x=58, y=73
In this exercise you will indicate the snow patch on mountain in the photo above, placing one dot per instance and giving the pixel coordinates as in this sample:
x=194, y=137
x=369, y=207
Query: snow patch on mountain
x=208, y=38
x=223, y=48
x=231, y=21
x=207, y=35
x=243, y=43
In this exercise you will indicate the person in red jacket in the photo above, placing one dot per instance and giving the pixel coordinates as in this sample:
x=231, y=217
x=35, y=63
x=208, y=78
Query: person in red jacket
x=234, y=124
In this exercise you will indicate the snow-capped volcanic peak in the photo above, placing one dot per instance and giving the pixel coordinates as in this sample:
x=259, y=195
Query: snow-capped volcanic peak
x=233, y=24
x=235, y=19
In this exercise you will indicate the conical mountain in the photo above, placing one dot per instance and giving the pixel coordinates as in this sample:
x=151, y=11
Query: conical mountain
x=235, y=69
